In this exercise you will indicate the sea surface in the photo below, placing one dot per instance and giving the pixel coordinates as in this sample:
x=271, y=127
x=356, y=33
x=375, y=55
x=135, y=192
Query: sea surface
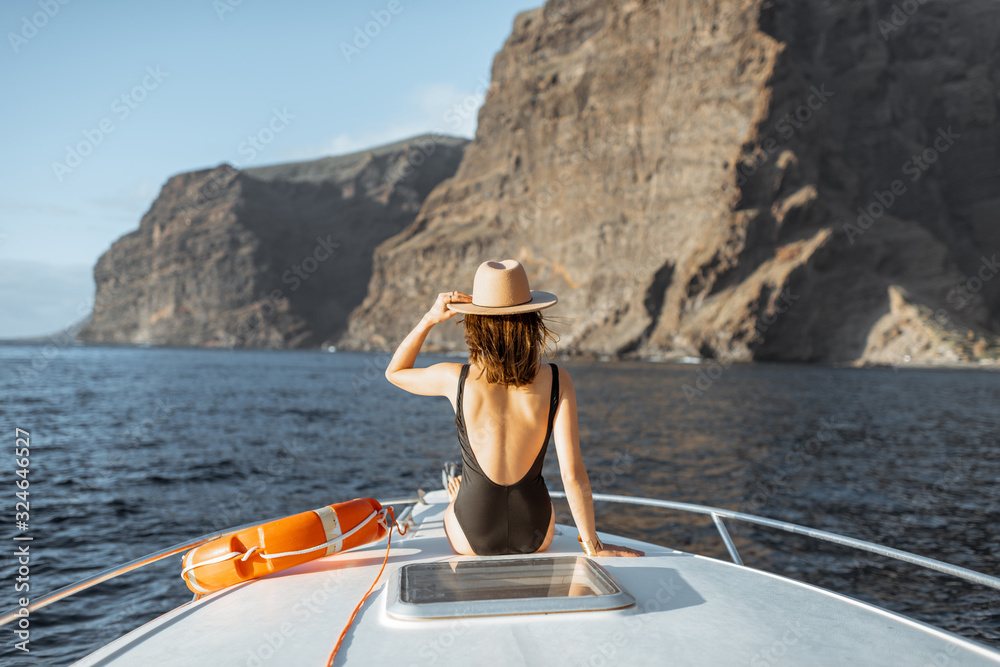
x=133, y=450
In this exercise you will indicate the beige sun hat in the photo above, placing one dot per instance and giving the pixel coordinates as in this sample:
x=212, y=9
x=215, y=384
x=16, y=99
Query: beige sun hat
x=501, y=288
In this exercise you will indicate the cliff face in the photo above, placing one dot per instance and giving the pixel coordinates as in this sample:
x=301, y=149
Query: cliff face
x=273, y=256
x=687, y=177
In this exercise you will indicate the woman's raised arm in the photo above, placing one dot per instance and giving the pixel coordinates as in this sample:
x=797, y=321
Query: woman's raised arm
x=574, y=475
x=436, y=380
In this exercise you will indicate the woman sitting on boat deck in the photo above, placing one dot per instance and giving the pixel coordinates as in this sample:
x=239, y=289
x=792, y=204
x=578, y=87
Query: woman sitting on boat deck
x=500, y=504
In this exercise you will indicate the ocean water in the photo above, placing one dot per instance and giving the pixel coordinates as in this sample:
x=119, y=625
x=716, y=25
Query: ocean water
x=134, y=450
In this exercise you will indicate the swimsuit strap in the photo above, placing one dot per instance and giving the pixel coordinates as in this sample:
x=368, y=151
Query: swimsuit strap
x=468, y=456
x=554, y=398
x=553, y=405
x=461, y=389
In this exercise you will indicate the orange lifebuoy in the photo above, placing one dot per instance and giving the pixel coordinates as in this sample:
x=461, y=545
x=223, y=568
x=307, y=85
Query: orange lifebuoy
x=281, y=544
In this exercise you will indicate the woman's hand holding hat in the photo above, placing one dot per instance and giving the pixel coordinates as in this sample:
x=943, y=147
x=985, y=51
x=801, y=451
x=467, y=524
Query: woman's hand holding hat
x=440, y=312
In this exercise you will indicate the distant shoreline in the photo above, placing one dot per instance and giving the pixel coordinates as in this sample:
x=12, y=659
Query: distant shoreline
x=984, y=364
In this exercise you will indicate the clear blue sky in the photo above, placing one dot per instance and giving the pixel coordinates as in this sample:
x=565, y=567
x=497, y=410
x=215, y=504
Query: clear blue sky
x=198, y=77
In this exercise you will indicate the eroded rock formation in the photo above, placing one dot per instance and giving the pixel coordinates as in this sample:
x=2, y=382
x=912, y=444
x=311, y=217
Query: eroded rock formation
x=738, y=179
x=735, y=179
x=274, y=256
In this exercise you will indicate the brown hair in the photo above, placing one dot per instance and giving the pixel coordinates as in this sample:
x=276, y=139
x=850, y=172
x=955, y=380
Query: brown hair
x=509, y=346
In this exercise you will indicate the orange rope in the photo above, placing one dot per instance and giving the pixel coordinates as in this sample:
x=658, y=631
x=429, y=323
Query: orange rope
x=354, y=613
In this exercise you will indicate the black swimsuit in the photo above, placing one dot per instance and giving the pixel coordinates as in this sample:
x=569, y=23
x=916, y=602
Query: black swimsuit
x=501, y=519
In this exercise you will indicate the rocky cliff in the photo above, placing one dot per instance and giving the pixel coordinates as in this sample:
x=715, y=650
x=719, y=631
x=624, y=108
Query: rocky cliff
x=736, y=179
x=274, y=256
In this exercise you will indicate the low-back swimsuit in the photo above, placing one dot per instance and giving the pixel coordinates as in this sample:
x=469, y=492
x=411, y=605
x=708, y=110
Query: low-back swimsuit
x=498, y=519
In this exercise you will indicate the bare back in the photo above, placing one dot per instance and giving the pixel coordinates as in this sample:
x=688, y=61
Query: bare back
x=506, y=426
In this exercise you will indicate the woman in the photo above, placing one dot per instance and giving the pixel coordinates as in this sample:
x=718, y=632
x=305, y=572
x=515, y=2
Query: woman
x=510, y=407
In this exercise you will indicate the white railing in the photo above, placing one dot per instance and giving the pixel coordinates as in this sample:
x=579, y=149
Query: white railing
x=718, y=515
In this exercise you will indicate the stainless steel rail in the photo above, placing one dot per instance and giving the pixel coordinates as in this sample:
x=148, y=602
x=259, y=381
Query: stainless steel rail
x=718, y=514
x=113, y=572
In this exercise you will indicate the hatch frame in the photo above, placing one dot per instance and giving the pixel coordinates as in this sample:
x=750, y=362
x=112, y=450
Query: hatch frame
x=404, y=595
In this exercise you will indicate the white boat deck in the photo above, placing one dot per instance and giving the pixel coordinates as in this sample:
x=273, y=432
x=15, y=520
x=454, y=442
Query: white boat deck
x=690, y=610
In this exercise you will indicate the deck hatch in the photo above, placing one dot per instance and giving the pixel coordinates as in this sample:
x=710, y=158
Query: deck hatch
x=503, y=586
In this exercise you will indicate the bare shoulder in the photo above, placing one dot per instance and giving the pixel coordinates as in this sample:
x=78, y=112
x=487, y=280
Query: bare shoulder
x=449, y=368
x=435, y=380
x=446, y=370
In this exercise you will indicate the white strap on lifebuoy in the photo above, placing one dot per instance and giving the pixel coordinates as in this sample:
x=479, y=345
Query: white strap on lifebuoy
x=331, y=527
x=188, y=573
